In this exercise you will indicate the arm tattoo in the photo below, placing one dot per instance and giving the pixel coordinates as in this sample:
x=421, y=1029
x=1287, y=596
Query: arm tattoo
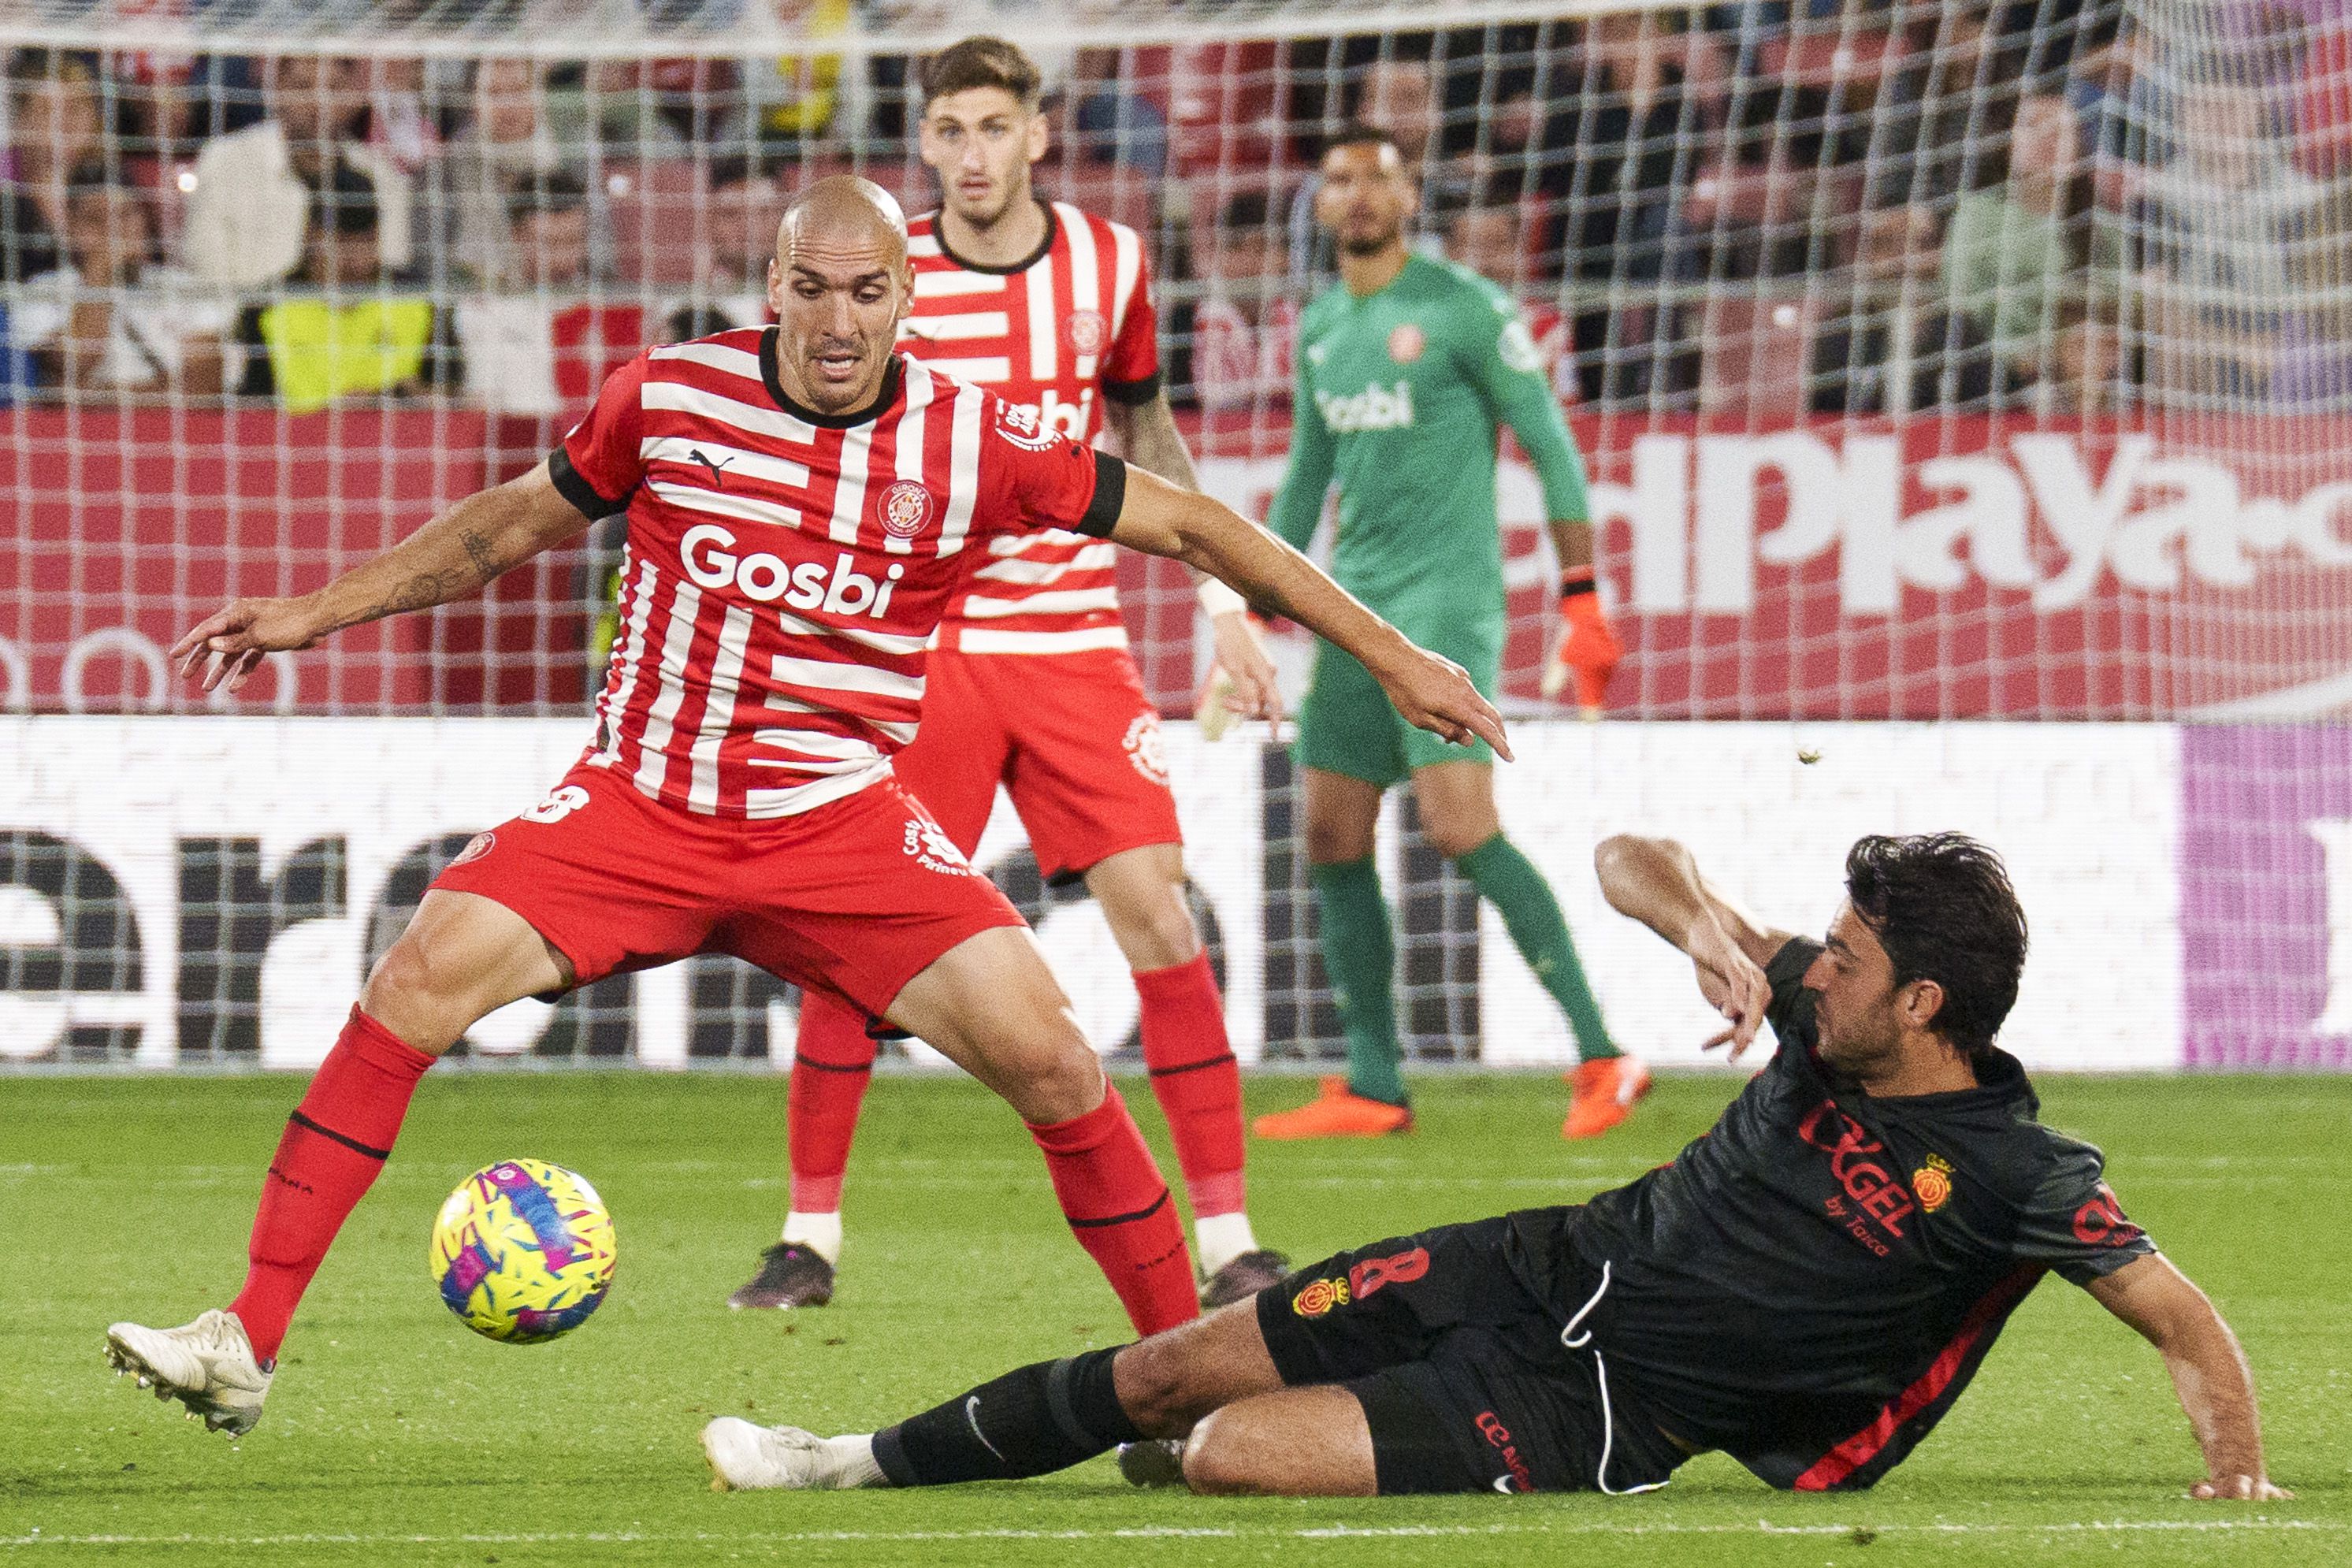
x=485, y=560
x=420, y=592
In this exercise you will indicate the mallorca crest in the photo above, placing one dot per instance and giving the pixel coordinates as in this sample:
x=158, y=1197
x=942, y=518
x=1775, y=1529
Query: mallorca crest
x=1931, y=1183
x=906, y=508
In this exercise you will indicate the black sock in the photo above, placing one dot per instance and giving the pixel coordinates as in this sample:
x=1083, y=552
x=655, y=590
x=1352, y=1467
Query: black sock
x=1044, y=1416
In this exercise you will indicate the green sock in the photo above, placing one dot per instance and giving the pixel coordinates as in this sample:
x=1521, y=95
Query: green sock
x=1509, y=880
x=1359, y=955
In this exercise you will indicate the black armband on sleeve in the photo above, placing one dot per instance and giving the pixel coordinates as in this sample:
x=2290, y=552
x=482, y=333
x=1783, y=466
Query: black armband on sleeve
x=1110, y=496
x=573, y=487
x=1132, y=391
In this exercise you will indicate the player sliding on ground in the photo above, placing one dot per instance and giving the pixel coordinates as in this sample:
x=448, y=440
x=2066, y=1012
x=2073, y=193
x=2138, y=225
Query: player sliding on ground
x=1049, y=308
x=1407, y=369
x=802, y=502
x=1809, y=1286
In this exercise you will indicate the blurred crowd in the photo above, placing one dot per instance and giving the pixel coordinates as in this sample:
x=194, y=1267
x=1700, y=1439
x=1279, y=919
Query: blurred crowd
x=1769, y=207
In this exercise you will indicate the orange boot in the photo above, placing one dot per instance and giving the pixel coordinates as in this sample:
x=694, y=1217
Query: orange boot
x=1601, y=1095
x=1336, y=1113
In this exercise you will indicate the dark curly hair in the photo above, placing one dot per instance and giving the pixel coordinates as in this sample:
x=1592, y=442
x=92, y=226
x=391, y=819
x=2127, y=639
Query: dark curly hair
x=1942, y=907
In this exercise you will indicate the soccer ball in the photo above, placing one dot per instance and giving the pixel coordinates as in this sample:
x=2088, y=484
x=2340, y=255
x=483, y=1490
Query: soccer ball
x=522, y=1251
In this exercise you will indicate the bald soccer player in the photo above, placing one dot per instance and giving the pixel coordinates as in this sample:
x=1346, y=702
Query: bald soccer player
x=802, y=502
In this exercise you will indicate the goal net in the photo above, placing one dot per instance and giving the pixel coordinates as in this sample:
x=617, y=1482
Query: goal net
x=1934, y=361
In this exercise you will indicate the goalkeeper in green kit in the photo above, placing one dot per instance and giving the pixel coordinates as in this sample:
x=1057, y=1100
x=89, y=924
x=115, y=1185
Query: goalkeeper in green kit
x=1405, y=370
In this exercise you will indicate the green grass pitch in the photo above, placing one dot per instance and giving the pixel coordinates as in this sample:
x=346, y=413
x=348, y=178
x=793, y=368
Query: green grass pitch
x=395, y=1436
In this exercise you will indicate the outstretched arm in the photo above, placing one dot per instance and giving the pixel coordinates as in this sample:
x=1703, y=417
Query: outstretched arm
x=1433, y=693
x=1147, y=437
x=2209, y=1372
x=1655, y=881
x=449, y=558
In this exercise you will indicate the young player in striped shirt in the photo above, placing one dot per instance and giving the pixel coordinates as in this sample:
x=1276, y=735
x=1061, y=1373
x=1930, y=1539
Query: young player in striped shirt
x=803, y=504
x=1032, y=682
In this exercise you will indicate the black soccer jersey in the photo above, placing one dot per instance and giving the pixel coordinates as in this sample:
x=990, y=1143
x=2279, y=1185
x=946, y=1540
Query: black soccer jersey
x=1810, y=1284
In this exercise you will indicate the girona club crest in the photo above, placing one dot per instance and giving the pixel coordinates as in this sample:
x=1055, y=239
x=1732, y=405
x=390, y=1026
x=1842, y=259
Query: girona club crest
x=1407, y=342
x=1088, y=332
x=906, y=509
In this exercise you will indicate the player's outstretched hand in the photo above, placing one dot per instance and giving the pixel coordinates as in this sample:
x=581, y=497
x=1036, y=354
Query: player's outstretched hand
x=1433, y=693
x=1242, y=682
x=1730, y=982
x=2238, y=1488
x=226, y=645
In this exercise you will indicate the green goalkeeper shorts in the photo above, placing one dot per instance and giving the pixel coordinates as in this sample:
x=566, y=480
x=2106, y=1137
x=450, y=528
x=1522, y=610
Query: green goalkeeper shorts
x=1348, y=726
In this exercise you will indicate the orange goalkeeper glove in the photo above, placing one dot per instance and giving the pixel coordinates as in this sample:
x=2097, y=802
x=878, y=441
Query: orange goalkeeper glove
x=1589, y=648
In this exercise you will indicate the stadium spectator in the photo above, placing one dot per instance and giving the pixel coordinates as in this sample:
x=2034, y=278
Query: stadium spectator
x=1927, y=125
x=55, y=126
x=1748, y=212
x=249, y=209
x=2226, y=218
x=1895, y=349
x=351, y=327
x=1645, y=98
x=794, y=99
x=2322, y=98
x=1491, y=239
x=114, y=319
x=547, y=232
x=400, y=126
x=2090, y=371
x=512, y=132
x=746, y=200
x=2313, y=367
x=1109, y=122
x=544, y=342
x=1241, y=331
x=2019, y=241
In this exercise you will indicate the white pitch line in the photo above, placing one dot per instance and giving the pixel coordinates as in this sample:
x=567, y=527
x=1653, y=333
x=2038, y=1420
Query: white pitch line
x=1146, y=1532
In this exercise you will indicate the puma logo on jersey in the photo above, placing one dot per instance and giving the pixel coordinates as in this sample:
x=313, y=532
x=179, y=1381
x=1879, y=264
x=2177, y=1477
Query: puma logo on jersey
x=697, y=454
x=708, y=554
x=1377, y=407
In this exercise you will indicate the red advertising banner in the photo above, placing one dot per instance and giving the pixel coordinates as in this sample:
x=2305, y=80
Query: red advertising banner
x=1963, y=567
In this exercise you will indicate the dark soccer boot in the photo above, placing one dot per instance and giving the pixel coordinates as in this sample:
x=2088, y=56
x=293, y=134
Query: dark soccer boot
x=1242, y=1277
x=789, y=1276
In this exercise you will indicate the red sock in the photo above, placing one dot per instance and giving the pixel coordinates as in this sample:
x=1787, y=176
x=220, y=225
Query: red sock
x=1195, y=1079
x=1120, y=1210
x=333, y=1146
x=833, y=1061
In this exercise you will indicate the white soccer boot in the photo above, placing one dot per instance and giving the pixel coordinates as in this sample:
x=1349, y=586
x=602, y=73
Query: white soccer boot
x=745, y=1458
x=207, y=1365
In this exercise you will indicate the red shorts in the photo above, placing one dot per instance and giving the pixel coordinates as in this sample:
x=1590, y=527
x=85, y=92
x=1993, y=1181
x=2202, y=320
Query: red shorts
x=1071, y=735
x=857, y=897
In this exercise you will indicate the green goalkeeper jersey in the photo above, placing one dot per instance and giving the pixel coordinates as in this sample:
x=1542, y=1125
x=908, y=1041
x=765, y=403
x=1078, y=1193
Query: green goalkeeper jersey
x=1400, y=396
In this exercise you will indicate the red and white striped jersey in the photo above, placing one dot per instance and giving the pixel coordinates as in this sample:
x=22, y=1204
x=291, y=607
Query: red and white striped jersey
x=1058, y=333
x=784, y=570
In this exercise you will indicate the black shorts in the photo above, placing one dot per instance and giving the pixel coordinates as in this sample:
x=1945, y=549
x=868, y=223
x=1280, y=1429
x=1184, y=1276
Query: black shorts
x=1459, y=1366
